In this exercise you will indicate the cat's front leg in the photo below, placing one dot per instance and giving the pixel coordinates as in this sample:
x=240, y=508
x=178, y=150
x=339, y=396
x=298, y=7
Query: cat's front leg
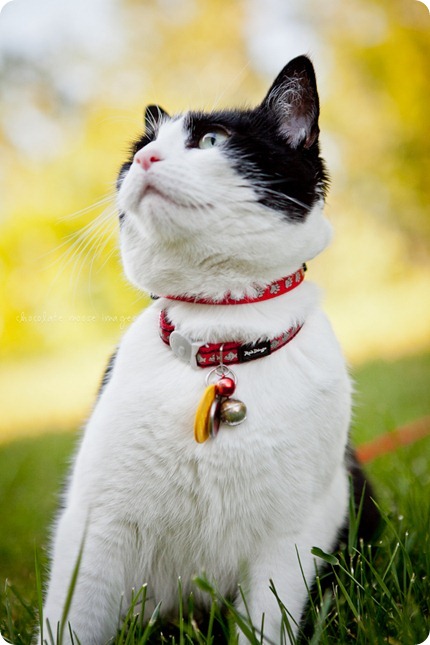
x=100, y=584
x=278, y=563
x=287, y=560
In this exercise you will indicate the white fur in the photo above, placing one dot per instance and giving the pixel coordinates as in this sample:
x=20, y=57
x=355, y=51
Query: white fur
x=152, y=503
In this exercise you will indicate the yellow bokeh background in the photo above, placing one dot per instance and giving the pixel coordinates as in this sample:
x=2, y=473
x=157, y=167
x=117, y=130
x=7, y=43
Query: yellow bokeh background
x=68, y=113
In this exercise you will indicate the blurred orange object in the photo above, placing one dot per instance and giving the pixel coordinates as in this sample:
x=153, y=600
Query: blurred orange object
x=390, y=441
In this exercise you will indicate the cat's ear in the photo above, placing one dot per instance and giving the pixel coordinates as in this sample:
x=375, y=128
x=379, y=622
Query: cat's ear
x=153, y=114
x=293, y=98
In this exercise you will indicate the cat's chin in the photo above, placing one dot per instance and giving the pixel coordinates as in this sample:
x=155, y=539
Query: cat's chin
x=193, y=261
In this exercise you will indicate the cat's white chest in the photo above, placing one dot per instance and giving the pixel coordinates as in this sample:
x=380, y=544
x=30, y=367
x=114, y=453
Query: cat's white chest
x=211, y=503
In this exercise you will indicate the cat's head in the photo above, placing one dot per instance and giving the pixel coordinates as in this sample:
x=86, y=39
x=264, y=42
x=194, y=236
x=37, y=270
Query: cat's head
x=214, y=202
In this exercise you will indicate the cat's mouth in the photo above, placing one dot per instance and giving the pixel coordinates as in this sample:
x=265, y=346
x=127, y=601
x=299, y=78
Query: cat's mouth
x=151, y=190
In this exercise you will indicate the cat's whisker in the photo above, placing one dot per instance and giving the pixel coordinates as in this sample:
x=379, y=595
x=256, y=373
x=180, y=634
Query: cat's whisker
x=109, y=256
x=81, y=258
x=100, y=249
x=259, y=183
x=87, y=246
x=79, y=249
x=235, y=82
x=87, y=228
x=78, y=254
x=75, y=235
x=73, y=238
x=109, y=197
x=152, y=122
x=283, y=196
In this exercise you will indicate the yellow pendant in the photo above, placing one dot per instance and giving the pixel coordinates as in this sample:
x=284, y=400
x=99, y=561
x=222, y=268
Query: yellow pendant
x=201, y=421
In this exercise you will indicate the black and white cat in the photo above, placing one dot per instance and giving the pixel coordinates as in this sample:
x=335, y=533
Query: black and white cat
x=219, y=212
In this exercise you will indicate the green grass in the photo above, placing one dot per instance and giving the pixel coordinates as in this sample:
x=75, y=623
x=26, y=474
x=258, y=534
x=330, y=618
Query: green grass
x=382, y=593
x=390, y=394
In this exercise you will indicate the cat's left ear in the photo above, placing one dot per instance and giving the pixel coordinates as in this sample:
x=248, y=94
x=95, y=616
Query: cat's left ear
x=293, y=98
x=153, y=114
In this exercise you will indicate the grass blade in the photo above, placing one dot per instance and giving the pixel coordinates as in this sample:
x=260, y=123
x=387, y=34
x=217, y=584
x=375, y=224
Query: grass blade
x=39, y=592
x=71, y=590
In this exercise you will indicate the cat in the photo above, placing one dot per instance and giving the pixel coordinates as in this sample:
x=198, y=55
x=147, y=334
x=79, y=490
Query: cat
x=219, y=211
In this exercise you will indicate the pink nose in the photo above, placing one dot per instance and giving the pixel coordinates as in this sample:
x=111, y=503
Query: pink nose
x=146, y=157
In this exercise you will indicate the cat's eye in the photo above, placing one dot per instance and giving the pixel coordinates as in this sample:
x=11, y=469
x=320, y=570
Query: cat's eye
x=212, y=139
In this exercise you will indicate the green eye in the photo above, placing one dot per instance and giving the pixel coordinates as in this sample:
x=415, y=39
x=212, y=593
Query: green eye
x=214, y=138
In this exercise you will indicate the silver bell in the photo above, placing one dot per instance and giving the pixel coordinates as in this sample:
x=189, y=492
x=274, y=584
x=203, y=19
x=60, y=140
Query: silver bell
x=233, y=412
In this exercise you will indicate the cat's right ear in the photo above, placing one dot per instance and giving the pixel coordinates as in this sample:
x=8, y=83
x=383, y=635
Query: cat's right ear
x=153, y=115
x=293, y=100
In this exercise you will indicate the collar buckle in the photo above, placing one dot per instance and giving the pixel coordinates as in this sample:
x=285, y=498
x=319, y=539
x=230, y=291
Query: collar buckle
x=184, y=349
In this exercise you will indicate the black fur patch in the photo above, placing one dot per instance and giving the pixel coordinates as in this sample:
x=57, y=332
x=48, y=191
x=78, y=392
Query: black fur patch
x=287, y=179
x=107, y=374
x=370, y=520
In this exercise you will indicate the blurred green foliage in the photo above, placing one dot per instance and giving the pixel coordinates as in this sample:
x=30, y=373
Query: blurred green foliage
x=381, y=113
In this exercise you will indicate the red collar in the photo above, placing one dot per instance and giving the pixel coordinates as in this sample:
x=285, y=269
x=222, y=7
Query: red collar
x=213, y=354
x=277, y=288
